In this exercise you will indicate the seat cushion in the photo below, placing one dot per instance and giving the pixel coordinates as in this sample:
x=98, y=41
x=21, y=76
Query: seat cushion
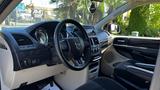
x=102, y=83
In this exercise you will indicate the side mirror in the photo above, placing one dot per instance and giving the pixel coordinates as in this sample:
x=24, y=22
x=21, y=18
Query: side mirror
x=113, y=28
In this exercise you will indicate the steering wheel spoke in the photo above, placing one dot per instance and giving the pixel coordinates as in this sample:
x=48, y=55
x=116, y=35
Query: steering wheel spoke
x=63, y=45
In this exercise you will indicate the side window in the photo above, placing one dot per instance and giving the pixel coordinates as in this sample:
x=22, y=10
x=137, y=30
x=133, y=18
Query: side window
x=142, y=21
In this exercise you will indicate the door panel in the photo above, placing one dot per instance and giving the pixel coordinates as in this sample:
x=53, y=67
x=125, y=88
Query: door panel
x=131, y=57
x=142, y=53
x=143, y=50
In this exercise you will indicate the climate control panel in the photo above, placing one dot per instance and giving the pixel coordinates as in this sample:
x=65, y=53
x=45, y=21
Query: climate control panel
x=95, y=47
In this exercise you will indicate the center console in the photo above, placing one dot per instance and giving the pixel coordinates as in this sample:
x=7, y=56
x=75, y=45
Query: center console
x=96, y=56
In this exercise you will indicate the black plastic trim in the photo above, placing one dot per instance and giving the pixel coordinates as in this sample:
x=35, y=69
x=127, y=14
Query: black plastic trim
x=4, y=4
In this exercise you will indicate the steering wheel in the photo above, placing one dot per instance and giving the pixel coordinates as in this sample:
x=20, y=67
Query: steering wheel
x=72, y=44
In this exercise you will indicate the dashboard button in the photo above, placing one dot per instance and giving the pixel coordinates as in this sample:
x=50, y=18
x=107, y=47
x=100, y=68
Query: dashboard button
x=29, y=62
x=25, y=62
x=34, y=62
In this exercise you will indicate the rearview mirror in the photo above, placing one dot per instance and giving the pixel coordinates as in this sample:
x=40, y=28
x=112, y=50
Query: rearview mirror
x=92, y=8
x=97, y=0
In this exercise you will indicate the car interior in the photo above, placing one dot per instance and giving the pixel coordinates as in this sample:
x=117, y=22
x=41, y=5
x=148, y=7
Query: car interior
x=67, y=55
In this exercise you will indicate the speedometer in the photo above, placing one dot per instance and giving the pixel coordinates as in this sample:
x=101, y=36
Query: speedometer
x=42, y=36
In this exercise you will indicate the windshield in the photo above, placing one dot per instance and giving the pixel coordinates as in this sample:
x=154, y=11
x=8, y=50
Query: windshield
x=33, y=11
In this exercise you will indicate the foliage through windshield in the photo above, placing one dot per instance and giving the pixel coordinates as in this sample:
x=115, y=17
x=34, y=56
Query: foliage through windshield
x=33, y=11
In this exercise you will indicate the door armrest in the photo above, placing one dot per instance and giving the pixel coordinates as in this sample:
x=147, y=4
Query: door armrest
x=145, y=66
x=140, y=72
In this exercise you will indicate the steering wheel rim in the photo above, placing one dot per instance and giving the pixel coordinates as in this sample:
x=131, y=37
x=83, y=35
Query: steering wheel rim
x=70, y=44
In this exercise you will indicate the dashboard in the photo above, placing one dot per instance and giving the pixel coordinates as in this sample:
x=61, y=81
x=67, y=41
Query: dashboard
x=28, y=53
x=33, y=46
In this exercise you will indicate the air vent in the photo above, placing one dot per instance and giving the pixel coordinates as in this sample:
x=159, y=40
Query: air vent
x=22, y=39
x=95, y=40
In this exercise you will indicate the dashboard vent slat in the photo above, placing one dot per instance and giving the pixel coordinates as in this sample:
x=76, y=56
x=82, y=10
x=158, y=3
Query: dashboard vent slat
x=22, y=39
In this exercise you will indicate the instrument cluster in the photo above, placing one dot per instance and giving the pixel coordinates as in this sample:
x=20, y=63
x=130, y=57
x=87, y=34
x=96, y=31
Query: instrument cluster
x=41, y=36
